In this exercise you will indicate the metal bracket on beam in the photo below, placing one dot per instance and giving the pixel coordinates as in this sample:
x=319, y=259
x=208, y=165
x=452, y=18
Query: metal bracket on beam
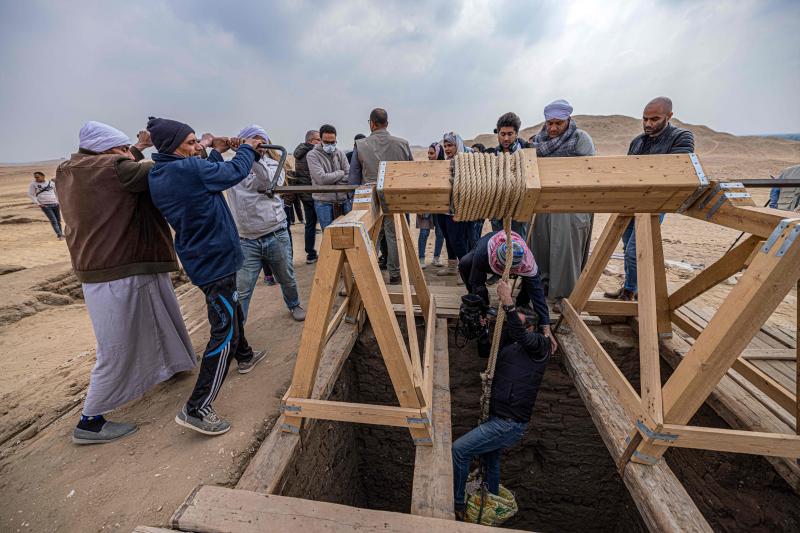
x=381, y=177
x=291, y=408
x=776, y=233
x=290, y=428
x=722, y=199
x=423, y=440
x=788, y=241
x=698, y=169
x=420, y=420
x=648, y=459
x=655, y=435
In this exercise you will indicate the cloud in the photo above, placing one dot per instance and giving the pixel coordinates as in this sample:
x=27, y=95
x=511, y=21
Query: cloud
x=436, y=66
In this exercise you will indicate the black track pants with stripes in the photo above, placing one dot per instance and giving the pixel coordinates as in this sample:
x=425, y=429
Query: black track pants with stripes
x=227, y=341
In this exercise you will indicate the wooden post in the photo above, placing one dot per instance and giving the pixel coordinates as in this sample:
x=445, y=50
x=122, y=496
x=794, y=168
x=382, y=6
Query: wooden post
x=411, y=323
x=598, y=260
x=648, y=267
x=315, y=329
x=660, y=272
x=771, y=274
x=417, y=276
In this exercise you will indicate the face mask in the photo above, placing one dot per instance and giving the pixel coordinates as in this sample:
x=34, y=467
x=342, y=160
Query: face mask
x=329, y=148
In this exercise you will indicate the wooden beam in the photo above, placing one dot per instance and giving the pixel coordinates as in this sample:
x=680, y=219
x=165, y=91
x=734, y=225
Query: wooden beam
x=430, y=354
x=623, y=392
x=649, y=358
x=606, y=244
x=770, y=354
x=360, y=413
x=723, y=268
x=659, y=496
x=432, y=489
x=333, y=324
x=423, y=294
x=759, y=221
x=213, y=509
x=766, y=384
x=731, y=440
x=599, y=307
x=323, y=290
x=411, y=324
x=751, y=301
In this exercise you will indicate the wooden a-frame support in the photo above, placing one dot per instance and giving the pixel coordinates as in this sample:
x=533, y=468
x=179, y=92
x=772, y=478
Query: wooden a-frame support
x=348, y=246
x=659, y=414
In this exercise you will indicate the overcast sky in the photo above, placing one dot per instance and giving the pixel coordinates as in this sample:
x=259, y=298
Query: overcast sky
x=436, y=66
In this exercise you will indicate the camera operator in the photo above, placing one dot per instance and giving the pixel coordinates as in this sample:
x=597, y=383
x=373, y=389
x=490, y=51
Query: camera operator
x=489, y=257
x=521, y=362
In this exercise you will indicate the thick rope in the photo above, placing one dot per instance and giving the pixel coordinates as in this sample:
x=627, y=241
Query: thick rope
x=489, y=186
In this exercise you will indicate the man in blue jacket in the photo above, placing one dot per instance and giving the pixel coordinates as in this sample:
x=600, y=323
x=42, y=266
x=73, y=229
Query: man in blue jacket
x=188, y=192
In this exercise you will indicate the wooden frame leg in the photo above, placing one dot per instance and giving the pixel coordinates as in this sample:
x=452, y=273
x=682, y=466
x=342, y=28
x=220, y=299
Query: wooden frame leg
x=411, y=323
x=417, y=276
x=598, y=260
x=770, y=276
x=323, y=291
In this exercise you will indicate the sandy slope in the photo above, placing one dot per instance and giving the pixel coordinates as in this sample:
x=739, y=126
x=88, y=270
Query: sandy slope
x=46, y=353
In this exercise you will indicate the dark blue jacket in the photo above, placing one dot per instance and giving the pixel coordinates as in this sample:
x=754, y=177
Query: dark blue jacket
x=188, y=192
x=521, y=363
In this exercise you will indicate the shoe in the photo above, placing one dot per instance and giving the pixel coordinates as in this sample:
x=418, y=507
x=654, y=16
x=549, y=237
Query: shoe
x=259, y=356
x=437, y=262
x=494, y=278
x=627, y=296
x=210, y=424
x=269, y=280
x=109, y=432
x=394, y=280
x=422, y=263
x=449, y=270
x=298, y=313
x=311, y=260
x=382, y=263
x=59, y=237
x=614, y=294
x=557, y=306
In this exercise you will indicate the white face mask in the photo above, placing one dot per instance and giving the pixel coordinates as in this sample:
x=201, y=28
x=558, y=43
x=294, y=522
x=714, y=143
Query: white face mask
x=329, y=148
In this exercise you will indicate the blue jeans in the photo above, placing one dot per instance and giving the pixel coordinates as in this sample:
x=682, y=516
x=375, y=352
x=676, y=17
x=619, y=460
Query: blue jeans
x=53, y=214
x=422, y=242
x=273, y=250
x=629, y=248
x=325, y=212
x=488, y=441
x=520, y=228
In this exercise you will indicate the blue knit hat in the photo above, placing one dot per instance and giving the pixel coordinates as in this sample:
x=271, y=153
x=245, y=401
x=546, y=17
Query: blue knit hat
x=517, y=254
x=167, y=134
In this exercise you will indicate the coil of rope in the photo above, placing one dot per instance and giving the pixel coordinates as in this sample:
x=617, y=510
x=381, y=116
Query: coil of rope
x=489, y=186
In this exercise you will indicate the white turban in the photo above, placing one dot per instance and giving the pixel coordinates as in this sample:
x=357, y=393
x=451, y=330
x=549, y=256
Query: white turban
x=99, y=137
x=252, y=130
x=558, y=110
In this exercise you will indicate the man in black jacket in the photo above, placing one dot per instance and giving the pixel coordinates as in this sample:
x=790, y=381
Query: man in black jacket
x=302, y=176
x=521, y=362
x=659, y=137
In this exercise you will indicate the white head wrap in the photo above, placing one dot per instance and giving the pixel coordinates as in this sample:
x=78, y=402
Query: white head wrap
x=559, y=110
x=99, y=137
x=251, y=131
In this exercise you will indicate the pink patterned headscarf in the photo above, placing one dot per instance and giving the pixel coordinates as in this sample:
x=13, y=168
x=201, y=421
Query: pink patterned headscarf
x=527, y=265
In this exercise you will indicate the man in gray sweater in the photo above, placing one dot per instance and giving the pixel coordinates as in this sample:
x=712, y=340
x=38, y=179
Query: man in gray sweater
x=263, y=234
x=328, y=165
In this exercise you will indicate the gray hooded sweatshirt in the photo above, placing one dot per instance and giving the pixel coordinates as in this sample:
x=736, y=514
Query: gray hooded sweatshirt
x=328, y=169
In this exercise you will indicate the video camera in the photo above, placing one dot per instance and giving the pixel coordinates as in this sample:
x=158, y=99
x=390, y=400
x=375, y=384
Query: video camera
x=472, y=312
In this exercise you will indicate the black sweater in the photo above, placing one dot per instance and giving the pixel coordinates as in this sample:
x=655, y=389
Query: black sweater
x=672, y=140
x=521, y=363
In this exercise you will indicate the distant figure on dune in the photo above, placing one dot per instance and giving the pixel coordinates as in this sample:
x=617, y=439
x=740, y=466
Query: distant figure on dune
x=659, y=137
x=43, y=194
x=121, y=250
x=560, y=241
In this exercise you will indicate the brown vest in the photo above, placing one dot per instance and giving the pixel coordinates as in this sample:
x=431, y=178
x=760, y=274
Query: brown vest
x=111, y=233
x=380, y=146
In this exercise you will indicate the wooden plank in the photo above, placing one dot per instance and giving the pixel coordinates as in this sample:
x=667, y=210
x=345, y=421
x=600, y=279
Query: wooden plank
x=601, y=307
x=660, y=271
x=430, y=333
x=533, y=185
x=212, y=509
x=323, y=291
x=359, y=413
x=649, y=358
x=415, y=269
x=411, y=325
x=623, y=392
x=732, y=440
x=765, y=384
x=750, y=302
x=768, y=354
x=148, y=529
x=662, y=501
x=265, y=470
x=333, y=324
x=759, y=221
x=606, y=244
x=723, y=268
x=432, y=489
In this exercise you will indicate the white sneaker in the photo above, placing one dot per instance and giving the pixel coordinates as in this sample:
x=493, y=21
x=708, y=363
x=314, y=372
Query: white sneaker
x=422, y=263
x=437, y=262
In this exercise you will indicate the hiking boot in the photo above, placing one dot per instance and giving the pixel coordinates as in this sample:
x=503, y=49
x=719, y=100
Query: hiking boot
x=382, y=263
x=614, y=294
x=259, y=356
x=298, y=313
x=422, y=263
x=109, y=432
x=210, y=424
x=311, y=260
x=394, y=280
x=627, y=296
x=437, y=262
x=449, y=270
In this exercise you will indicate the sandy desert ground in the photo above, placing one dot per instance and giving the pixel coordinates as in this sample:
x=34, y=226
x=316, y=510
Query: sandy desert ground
x=47, y=351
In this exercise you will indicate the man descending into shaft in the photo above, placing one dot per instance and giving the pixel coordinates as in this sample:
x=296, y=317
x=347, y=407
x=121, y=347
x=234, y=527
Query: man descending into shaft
x=489, y=257
x=659, y=137
x=121, y=250
x=521, y=362
x=188, y=192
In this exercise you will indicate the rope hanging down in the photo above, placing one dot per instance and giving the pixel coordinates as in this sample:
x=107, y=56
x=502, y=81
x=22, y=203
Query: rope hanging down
x=489, y=186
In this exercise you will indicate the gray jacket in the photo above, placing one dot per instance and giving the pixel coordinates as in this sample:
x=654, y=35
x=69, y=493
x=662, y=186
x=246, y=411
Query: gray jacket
x=369, y=152
x=328, y=169
x=255, y=213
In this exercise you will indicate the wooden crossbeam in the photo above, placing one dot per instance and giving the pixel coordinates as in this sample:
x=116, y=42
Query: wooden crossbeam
x=597, y=307
x=381, y=415
x=411, y=325
x=730, y=440
x=423, y=295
